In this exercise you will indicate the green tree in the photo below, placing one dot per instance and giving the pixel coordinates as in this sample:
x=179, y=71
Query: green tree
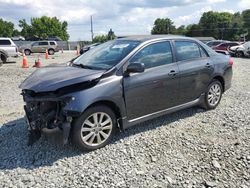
x=104, y=38
x=181, y=30
x=44, y=27
x=26, y=28
x=215, y=24
x=194, y=30
x=246, y=22
x=236, y=27
x=163, y=26
x=111, y=34
x=6, y=28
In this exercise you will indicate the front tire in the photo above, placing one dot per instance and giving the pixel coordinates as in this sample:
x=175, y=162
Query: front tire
x=213, y=95
x=94, y=128
x=51, y=52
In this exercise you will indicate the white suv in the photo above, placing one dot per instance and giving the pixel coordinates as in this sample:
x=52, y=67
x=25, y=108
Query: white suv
x=7, y=49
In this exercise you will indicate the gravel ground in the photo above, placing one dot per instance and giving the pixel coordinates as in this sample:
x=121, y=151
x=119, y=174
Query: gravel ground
x=190, y=148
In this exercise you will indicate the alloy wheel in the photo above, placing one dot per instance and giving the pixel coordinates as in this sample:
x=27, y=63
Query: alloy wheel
x=214, y=94
x=96, y=129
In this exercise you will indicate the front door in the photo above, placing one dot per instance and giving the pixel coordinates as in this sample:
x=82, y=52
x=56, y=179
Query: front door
x=157, y=87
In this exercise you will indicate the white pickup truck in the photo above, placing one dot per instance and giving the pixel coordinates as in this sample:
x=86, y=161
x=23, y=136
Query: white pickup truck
x=7, y=49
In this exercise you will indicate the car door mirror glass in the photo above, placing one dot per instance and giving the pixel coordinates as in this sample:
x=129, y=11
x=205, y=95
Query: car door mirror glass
x=135, y=68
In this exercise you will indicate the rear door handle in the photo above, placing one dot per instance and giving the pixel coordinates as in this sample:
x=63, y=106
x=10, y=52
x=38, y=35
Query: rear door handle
x=208, y=65
x=172, y=73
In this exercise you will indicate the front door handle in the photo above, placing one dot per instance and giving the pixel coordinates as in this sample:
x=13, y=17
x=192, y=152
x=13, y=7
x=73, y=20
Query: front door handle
x=172, y=73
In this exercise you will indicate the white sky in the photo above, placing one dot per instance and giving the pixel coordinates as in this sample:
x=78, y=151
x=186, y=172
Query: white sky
x=125, y=17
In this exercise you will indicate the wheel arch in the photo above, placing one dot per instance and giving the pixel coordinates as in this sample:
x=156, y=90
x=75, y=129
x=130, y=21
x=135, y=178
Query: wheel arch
x=112, y=105
x=221, y=80
x=3, y=56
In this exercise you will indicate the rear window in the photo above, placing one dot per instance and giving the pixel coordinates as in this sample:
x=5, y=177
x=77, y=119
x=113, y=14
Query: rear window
x=5, y=42
x=52, y=43
x=43, y=43
x=187, y=50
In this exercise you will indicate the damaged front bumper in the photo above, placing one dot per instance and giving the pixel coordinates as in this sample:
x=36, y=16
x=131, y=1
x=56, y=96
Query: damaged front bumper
x=45, y=115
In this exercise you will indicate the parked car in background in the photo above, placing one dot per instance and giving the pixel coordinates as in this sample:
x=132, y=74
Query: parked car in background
x=121, y=83
x=225, y=46
x=88, y=47
x=7, y=49
x=242, y=50
x=18, y=38
x=215, y=43
x=54, y=38
x=40, y=47
x=34, y=38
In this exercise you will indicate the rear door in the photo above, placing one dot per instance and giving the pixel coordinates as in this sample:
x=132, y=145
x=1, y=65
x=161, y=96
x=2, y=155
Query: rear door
x=157, y=87
x=195, y=69
x=8, y=46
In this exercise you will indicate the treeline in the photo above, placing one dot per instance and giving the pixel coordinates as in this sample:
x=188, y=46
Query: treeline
x=42, y=27
x=220, y=25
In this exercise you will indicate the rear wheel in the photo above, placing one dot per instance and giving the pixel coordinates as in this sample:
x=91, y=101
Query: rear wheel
x=27, y=52
x=94, y=128
x=3, y=58
x=239, y=54
x=213, y=95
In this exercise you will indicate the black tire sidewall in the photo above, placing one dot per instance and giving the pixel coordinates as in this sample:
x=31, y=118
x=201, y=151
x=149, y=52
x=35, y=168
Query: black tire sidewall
x=51, y=52
x=208, y=106
x=77, y=125
x=27, y=52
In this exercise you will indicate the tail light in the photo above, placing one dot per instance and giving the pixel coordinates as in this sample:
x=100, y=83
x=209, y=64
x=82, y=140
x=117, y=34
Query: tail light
x=230, y=62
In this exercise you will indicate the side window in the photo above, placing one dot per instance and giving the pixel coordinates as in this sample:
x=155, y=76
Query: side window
x=35, y=44
x=187, y=50
x=154, y=55
x=5, y=42
x=203, y=53
x=43, y=43
x=52, y=43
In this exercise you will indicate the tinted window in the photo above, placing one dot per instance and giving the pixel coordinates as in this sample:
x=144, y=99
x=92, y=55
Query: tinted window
x=216, y=43
x=154, y=55
x=224, y=45
x=187, y=50
x=52, y=43
x=43, y=43
x=233, y=44
x=5, y=42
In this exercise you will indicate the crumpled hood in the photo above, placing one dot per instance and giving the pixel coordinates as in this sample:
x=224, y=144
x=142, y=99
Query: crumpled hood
x=236, y=47
x=52, y=78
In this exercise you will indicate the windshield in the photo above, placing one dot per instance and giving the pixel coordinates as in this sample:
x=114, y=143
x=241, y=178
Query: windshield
x=106, y=55
x=246, y=45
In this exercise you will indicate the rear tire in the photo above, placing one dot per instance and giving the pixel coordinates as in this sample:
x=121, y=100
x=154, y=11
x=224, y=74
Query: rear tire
x=239, y=54
x=94, y=128
x=27, y=52
x=3, y=58
x=213, y=95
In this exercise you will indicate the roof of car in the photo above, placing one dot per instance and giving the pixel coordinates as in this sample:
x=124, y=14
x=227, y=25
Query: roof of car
x=4, y=38
x=151, y=37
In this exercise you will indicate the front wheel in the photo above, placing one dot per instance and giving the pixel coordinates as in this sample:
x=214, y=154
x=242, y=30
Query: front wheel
x=213, y=95
x=51, y=52
x=94, y=128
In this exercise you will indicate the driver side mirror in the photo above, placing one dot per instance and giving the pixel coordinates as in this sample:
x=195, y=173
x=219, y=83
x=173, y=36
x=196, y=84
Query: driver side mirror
x=135, y=68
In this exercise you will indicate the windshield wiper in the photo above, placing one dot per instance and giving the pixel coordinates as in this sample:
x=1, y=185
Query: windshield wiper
x=83, y=66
